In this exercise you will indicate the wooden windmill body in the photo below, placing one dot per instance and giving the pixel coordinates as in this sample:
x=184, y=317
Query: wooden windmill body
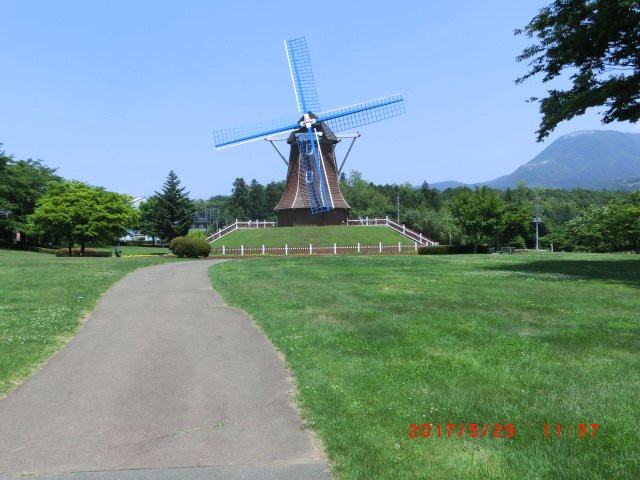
x=294, y=208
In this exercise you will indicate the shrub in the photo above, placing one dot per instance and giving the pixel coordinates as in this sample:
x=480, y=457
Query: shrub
x=197, y=234
x=518, y=242
x=185, y=247
x=52, y=251
x=450, y=249
x=88, y=252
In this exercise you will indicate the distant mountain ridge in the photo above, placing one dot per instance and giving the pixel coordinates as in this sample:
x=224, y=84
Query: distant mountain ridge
x=593, y=159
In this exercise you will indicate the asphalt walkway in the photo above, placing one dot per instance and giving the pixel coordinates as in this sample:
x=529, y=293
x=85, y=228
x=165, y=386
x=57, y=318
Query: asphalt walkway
x=161, y=379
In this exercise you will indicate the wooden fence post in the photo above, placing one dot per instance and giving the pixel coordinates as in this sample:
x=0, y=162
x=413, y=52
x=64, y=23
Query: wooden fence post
x=222, y=249
x=286, y=249
x=241, y=249
x=263, y=248
x=335, y=249
x=399, y=247
x=310, y=249
x=380, y=247
x=358, y=247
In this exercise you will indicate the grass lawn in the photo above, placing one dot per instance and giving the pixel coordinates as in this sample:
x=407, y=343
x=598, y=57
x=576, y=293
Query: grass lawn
x=129, y=251
x=320, y=236
x=379, y=343
x=42, y=302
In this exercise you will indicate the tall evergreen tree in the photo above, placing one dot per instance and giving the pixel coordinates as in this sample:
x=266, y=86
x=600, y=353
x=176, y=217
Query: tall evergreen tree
x=239, y=201
x=174, y=211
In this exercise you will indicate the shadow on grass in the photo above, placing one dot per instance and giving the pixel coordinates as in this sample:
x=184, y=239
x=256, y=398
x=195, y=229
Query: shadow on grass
x=625, y=271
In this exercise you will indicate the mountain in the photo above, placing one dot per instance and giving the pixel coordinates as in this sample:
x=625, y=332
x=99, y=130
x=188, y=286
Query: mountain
x=446, y=184
x=593, y=159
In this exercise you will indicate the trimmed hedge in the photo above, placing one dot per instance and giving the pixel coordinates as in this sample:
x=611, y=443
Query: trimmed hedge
x=186, y=247
x=52, y=251
x=88, y=252
x=450, y=249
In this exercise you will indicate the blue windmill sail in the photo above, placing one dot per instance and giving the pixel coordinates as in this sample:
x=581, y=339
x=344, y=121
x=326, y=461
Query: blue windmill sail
x=235, y=136
x=304, y=84
x=347, y=118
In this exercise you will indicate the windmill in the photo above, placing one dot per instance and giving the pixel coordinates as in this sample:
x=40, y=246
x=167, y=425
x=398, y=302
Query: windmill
x=312, y=191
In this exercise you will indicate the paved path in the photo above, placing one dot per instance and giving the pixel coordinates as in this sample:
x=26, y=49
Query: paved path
x=163, y=375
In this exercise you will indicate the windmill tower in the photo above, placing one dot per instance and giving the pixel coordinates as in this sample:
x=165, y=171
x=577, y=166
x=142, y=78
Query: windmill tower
x=312, y=193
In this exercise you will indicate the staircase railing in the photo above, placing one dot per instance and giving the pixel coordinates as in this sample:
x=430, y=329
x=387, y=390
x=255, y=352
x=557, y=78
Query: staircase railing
x=403, y=230
x=396, y=227
x=237, y=225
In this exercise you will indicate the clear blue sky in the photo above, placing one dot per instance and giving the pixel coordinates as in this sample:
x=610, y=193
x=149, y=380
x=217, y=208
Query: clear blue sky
x=118, y=93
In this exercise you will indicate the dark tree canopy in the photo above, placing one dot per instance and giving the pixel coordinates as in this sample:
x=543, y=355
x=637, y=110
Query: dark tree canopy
x=22, y=183
x=173, y=210
x=596, y=42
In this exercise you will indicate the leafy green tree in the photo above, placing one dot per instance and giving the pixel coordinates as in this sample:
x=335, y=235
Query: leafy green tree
x=256, y=201
x=239, y=202
x=364, y=198
x=22, y=183
x=588, y=229
x=173, y=212
x=149, y=220
x=597, y=42
x=431, y=196
x=272, y=193
x=74, y=212
x=479, y=215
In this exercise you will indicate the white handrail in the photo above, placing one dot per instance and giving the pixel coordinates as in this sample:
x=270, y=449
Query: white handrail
x=403, y=230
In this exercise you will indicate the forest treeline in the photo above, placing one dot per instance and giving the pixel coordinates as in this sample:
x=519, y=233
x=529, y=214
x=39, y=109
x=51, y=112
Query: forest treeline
x=579, y=219
x=573, y=220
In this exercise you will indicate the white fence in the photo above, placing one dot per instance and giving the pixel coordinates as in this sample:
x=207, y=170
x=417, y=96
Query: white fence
x=239, y=226
x=401, y=229
x=315, y=250
x=365, y=222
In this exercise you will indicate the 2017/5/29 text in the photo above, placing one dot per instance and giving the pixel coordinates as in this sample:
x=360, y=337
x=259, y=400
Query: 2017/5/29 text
x=473, y=430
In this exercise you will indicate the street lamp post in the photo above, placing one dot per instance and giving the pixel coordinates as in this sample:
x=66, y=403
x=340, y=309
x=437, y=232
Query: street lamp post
x=537, y=221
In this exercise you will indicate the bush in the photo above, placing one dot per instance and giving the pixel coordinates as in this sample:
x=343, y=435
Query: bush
x=88, y=252
x=450, y=249
x=52, y=251
x=185, y=247
x=518, y=242
x=197, y=234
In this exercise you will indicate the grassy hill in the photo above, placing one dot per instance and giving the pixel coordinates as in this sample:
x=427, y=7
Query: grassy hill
x=303, y=236
x=457, y=340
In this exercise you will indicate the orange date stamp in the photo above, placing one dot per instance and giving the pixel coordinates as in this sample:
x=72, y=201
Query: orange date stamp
x=498, y=430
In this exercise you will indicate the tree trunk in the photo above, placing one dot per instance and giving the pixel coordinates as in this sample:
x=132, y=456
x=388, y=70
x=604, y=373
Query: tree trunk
x=82, y=249
x=70, y=247
x=475, y=248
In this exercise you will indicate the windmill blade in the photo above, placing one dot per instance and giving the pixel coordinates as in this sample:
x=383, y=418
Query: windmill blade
x=235, y=136
x=347, y=118
x=302, y=75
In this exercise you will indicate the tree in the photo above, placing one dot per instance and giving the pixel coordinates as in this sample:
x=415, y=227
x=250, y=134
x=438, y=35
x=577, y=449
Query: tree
x=173, y=213
x=256, y=201
x=22, y=183
x=74, y=212
x=431, y=196
x=479, y=214
x=598, y=42
x=364, y=198
x=239, y=201
x=149, y=218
